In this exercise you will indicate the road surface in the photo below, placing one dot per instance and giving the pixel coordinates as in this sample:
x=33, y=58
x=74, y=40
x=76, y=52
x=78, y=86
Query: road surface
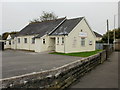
x=103, y=76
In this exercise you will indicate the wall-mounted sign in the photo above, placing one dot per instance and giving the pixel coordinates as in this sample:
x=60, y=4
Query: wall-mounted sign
x=83, y=34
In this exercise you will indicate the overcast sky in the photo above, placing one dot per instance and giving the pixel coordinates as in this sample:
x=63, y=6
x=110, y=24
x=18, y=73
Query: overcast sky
x=16, y=15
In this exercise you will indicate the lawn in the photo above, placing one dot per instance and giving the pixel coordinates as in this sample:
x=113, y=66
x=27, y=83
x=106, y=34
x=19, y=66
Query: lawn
x=79, y=54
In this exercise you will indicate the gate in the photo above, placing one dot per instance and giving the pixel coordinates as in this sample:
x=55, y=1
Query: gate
x=2, y=46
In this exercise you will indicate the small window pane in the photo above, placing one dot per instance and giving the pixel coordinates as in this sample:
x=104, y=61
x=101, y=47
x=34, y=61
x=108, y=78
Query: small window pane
x=18, y=40
x=43, y=41
x=9, y=42
x=82, y=41
x=58, y=40
x=33, y=40
x=62, y=40
x=90, y=42
x=25, y=40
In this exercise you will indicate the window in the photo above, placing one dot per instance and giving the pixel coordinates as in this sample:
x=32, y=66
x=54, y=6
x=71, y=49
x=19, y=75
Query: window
x=74, y=42
x=33, y=40
x=9, y=42
x=43, y=41
x=25, y=40
x=62, y=40
x=90, y=42
x=18, y=40
x=82, y=41
x=58, y=40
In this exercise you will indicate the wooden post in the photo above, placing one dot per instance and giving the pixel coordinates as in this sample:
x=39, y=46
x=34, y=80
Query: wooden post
x=114, y=33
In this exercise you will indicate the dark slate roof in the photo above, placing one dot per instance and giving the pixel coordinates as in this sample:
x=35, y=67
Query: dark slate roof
x=97, y=34
x=67, y=26
x=13, y=35
x=40, y=28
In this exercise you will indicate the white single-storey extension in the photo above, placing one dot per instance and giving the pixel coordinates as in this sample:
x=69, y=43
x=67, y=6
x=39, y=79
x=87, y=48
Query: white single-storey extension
x=98, y=36
x=60, y=35
x=7, y=42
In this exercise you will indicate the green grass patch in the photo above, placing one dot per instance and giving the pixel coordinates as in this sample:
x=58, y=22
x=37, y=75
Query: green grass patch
x=79, y=54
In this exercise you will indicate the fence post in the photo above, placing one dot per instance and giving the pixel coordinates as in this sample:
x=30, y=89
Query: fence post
x=106, y=54
x=101, y=58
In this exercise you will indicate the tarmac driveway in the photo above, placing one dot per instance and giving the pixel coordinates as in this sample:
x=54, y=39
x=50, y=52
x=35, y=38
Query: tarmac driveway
x=16, y=63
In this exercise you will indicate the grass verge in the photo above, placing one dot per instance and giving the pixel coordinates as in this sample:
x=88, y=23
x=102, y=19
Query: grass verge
x=79, y=54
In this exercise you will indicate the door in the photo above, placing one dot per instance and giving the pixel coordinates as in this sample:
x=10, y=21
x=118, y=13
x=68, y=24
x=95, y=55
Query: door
x=52, y=44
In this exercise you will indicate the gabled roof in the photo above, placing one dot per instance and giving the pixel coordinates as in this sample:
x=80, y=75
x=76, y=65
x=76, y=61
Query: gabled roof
x=97, y=34
x=53, y=27
x=67, y=26
x=40, y=28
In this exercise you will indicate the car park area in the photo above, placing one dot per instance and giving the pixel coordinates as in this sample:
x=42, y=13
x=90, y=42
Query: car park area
x=16, y=62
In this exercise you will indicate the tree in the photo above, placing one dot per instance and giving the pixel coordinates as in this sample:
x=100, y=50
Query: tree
x=5, y=35
x=111, y=35
x=48, y=16
x=45, y=17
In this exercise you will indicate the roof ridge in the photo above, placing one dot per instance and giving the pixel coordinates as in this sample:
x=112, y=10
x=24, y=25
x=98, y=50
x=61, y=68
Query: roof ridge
x=67, y=26
x=58, y=25
x=75, y=18
x=48, y=20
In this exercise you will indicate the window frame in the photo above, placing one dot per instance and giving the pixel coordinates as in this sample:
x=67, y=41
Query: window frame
x=43, y=41
x=25, y=40
x=9, y=42
x=18, y=40
x=58, y=40
x=82, y=41
x=63, y=40
x=90, y=42
x=33, y=40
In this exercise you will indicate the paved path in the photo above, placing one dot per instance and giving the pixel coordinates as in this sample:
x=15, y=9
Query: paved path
x=16, y=63
x=103, y=76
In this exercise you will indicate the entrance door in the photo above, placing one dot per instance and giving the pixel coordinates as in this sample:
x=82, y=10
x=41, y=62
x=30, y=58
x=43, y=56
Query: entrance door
x=52, y=44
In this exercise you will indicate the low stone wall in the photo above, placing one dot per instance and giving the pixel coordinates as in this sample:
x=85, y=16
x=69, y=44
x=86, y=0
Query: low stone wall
x=60, y=77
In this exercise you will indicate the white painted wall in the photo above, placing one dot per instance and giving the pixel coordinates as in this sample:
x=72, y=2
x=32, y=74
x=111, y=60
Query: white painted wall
x=26, y=46
x=9, y=37
x=12, y=44
x=72, y=42
x=52, y=44
x=59, y=46
x=7, y=46
x=48, y=46
x=75, y=46
x=44, y=47
x=37, y=45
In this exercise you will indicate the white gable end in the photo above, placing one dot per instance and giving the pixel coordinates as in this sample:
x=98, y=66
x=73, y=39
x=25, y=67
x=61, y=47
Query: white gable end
x=9, y=37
